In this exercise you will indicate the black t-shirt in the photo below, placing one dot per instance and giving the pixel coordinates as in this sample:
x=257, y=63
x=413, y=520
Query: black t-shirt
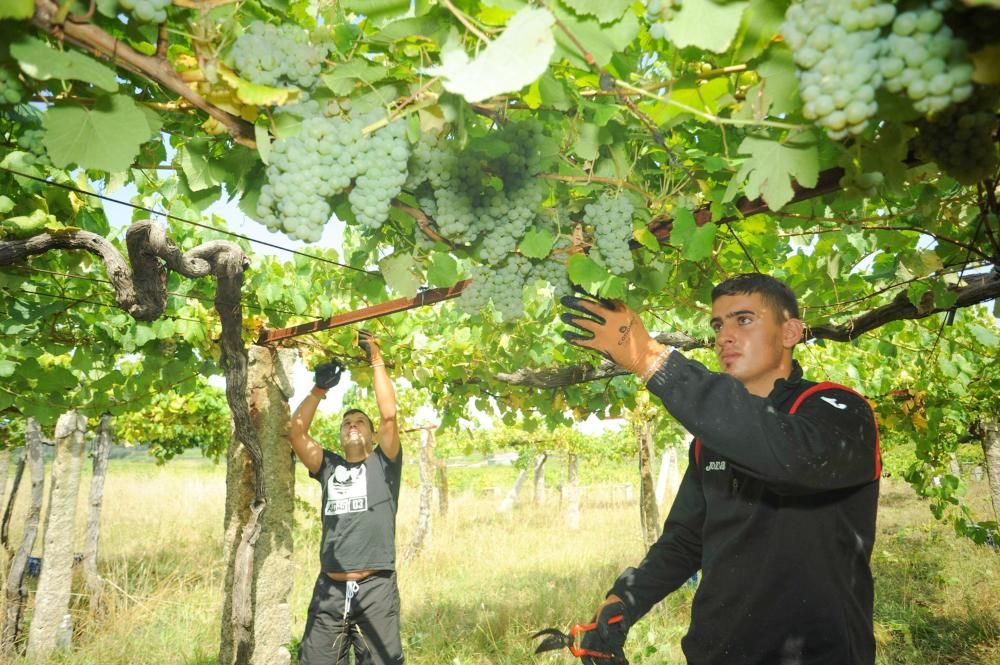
x=359, y=512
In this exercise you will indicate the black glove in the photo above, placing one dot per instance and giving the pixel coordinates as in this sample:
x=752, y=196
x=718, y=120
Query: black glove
x=328, y=374
x=608, y=637
x=365, y=342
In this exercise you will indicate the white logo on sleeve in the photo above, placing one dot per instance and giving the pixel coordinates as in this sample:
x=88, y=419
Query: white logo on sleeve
x=834, y=403
x=347, y=491
x=719, y=465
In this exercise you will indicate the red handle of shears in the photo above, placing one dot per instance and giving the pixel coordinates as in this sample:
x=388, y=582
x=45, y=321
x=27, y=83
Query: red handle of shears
x=583, y=628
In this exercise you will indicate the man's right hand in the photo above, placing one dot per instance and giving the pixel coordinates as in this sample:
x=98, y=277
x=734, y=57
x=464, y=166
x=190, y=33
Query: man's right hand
x=369, y=344
x=608, y=637
x=328, y=374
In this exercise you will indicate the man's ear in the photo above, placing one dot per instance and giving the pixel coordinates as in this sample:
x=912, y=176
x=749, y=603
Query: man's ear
x=791, y=332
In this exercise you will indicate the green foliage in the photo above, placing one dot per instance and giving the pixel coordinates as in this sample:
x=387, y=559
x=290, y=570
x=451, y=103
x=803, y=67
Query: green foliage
x=689, y=120
x=175, y=421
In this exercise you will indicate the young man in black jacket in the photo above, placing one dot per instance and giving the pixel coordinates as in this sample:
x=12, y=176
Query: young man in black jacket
x=777, y=507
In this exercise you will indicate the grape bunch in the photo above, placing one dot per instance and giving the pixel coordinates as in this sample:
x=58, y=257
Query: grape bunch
x=11, y=90
x=321, y=161
x=611, y=218
x=658, y=13
x=147, y=11
x=487, y=199
x=503, y=285
x=924, y=58
x=274, y=55
x=30, y=140
x=960, y=139
x=836, y=45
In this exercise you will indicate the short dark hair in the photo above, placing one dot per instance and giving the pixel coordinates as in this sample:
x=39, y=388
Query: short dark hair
x=773, y=291
x=367, y=417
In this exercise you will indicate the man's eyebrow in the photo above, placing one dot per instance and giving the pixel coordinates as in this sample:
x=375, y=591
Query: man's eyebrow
x=717, y=319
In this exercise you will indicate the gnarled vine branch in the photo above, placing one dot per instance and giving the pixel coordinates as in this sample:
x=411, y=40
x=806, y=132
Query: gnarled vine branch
x=140, y=290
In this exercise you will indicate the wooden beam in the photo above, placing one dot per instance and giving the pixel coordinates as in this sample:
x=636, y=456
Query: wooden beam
x=422, y=299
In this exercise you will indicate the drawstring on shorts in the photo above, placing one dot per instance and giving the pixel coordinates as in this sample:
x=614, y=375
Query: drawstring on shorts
x=351, y=590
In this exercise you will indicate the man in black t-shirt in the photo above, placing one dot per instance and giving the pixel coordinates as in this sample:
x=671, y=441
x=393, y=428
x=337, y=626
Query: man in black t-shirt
x=355, y=602
x=777, y=506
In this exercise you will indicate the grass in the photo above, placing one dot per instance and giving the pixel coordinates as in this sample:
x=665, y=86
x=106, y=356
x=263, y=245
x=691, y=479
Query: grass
x=489, y=580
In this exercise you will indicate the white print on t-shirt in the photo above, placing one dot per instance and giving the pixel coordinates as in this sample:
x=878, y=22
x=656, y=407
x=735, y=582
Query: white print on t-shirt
x=834, y=403
x=347, y=491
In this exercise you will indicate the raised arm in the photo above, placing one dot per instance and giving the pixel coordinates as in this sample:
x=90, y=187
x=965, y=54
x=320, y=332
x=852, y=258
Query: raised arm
x=385, y=397
x=306, y=448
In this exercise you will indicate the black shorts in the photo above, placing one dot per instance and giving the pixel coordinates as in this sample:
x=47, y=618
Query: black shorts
x=371, y=630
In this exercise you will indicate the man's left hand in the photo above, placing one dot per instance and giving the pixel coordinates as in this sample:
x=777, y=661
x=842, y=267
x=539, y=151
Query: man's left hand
x=607, y=637
x=615, y=331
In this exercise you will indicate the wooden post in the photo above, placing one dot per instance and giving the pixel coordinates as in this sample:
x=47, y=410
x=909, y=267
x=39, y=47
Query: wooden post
x=48, y=620
x=102, y=450
x=15, y=590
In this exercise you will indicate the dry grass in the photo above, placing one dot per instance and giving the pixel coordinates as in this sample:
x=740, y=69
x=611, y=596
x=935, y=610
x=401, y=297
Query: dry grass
x=489, y=579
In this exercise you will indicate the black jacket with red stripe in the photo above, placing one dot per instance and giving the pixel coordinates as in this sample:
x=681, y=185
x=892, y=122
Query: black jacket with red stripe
x=777, y=509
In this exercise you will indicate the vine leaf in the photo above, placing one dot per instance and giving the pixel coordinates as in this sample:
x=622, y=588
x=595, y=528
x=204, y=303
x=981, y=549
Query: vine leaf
x=770, y=168
x=39, y=61
x=606, y=11
x=515, y=59
x=443, y=270
x=603, y=41
x=781, y=85
x=344, y=76
x=106, y=137
x=17, y=9
x=379, y=12
x=985, y=336
x=399, y=272
x=584, y=271
x=256, y=94
x=697, y=241
x=200, y=169
x=25, y=226
x=706, y=25
x=537, y=243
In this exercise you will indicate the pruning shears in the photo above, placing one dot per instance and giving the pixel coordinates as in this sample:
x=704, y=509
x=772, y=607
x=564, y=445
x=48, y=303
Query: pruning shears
x=556, y=639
